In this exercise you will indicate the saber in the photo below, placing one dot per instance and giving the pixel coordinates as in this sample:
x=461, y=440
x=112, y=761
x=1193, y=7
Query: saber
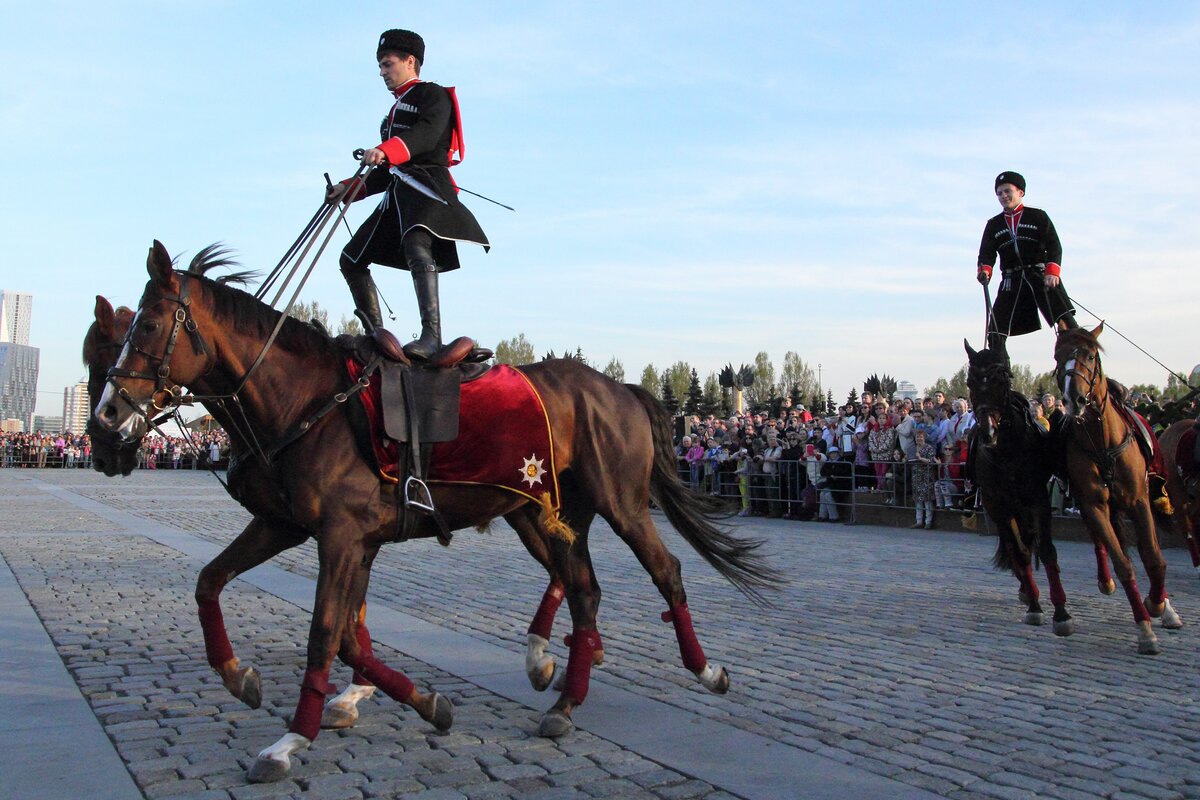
x=987, y=313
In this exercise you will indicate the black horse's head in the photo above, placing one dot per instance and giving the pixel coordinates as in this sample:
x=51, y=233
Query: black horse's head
x=101, y=346
x=989, y=380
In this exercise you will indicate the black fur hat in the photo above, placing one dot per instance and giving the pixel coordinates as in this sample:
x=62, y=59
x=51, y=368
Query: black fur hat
x=401, y=41
x=1015, y=178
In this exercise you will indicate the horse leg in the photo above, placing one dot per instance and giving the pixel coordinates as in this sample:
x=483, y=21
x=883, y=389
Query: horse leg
x=259, y=542
x=572, y=563
x=1100, y=526
x=1022, y=567
x=342, y=711
x=1158, y=605
x=1103, y=577
x=539, y=664
x=1063, y=624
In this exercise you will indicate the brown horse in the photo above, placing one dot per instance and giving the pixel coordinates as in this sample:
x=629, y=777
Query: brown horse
x=612, y=448
x=1012, y=470
x=114, y=455
x=1108, y=478
x=1186, y=518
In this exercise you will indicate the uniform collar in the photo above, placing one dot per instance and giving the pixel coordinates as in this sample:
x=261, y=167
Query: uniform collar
x=1016, y=211
x=400, y=90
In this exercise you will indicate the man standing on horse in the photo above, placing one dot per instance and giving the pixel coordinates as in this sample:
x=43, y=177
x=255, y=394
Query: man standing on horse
x=1030, y=255
x=419, y=219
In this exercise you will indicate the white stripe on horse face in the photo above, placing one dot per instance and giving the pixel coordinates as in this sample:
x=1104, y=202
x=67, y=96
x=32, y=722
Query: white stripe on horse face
x=1067, y=386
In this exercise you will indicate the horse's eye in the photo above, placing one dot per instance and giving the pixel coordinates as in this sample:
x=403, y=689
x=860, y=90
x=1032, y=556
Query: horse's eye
x=150, y=325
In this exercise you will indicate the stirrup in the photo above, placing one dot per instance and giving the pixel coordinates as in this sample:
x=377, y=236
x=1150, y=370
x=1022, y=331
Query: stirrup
x=415, y=503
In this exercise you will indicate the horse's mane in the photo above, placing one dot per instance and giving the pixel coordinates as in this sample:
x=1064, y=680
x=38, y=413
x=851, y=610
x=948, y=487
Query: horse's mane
x=247, y=313
x=218, y=255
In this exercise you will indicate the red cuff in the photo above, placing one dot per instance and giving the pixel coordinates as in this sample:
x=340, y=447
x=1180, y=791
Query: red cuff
x=1053, y=269
x=986, y=269
x=349, y=183
x=396, y=151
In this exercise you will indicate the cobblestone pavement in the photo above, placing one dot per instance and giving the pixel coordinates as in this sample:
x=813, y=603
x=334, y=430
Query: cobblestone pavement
x=896, y=652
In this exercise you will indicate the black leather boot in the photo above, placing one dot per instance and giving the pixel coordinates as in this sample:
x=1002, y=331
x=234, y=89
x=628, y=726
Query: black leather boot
x=366, y=300
x=425, y=282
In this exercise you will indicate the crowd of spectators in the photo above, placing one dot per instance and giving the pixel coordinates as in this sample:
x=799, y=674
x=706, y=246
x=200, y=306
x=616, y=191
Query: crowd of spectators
x=797, y=465
x=67, y=450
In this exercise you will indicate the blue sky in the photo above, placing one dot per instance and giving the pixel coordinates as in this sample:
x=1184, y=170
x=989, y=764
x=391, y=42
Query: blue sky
x=690, y=183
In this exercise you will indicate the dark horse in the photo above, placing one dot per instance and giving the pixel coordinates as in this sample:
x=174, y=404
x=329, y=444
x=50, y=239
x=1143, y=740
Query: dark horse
x=612, y=446
x=1012, y=470
x=1181, y=490
x=1108, y=475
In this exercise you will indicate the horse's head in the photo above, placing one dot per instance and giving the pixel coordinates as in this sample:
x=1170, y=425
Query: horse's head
x=1077, y=369
x=989, y=380
x=163, y=350
x=101, y=346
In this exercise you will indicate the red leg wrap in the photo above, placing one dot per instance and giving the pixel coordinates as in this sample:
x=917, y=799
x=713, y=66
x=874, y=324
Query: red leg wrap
x=1135, y=600
x=1102, y=572
x=313, y=689
x=216, y=642
x=689, y=648
x=1194, y=549
x=364, y=649
x=1158, y=593
x=1058, y=595
x=579, y=664
x=543, y=620
x=1030, y=585
x=395, y=684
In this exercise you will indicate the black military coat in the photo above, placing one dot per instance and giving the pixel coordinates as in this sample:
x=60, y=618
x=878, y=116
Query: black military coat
x=418, y=136
x=1026, y=255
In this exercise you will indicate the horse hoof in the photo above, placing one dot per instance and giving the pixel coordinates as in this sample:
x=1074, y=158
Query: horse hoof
x=338, y=717
x=1170, y=619
x=1155, y=611
x=541, y=678
x=715, y=680
x=1033, y=618
x=443, y=713
x=1108, y=588
x=1147, y=641
x=251, y=687
x=1064, y=628
x=555, y=724
x=268, y=770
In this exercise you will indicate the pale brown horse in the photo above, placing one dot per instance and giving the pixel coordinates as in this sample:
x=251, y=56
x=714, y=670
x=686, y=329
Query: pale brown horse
x=1108, y=476
x=612, y=446
x=1186, y=518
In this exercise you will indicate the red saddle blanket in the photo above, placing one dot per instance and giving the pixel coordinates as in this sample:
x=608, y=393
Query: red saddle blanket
x=504, y=438
x=1146, y=439
x=1184, y=462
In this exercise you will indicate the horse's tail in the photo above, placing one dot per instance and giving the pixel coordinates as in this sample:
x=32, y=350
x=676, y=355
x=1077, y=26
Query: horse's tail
x=693, y=514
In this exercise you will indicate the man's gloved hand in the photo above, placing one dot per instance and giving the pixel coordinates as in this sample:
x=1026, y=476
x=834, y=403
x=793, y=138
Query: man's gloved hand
x=984, y=277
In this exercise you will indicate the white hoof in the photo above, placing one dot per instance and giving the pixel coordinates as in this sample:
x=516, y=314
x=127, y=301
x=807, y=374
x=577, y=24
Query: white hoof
x=1033, y=618
x=715, y=680
x=1170, y=619
x=342, y=711
x=539, y=666
x=275, y=762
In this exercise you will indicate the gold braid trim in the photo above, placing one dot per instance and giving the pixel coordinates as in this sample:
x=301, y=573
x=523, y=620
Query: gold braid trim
x=552, y=523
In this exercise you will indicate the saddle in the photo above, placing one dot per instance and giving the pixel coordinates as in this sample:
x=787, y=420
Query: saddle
x=420, y=407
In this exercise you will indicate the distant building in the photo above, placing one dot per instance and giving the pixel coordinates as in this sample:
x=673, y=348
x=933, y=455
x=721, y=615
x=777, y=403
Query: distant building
x=76, y=407
x=906, y=390
x=12, y=426
x=15, y=311
x=18, y=382
x=46, y=424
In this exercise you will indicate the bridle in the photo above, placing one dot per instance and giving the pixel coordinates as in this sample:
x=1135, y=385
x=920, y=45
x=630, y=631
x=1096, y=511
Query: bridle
x=1070, y=368
x=161, y=376
x=1104, y=457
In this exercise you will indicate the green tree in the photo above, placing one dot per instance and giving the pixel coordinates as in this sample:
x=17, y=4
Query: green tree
x=852, y=398
x=515, y=351
x=680, y=375
x=350, y=326
x=615, y=370
x=795, y=376
x=669, y=398
x=307, y=312
x=764, y=380
x=695, y=394
x=714, y=400
x=829, y=406
x=650, y=381
x=952, y=387
x=1023, y=379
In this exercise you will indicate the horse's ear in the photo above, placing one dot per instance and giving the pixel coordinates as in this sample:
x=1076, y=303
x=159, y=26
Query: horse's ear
x=1099, y=329
x=1062, y=326
x=970, y=350
x=158, y=263
x=105, y=316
